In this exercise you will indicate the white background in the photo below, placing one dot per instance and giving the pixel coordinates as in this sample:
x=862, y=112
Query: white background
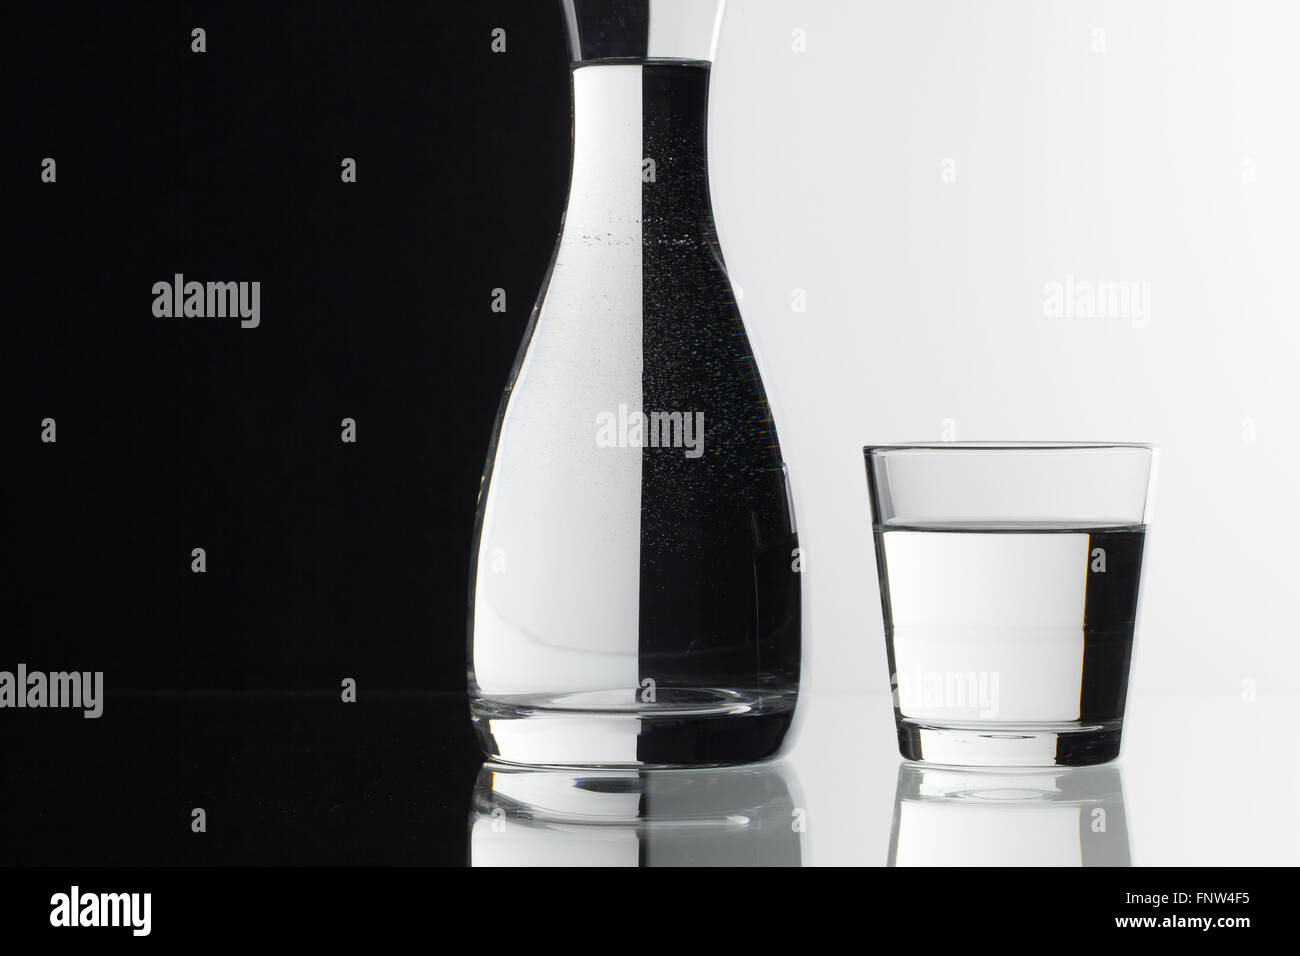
x=1164, y=149
x=1170, y=158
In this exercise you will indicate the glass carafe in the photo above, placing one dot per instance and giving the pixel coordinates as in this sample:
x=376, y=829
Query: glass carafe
x=635, y=593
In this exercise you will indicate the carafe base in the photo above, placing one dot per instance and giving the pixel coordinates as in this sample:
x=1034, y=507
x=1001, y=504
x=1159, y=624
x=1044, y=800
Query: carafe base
x=679, y=727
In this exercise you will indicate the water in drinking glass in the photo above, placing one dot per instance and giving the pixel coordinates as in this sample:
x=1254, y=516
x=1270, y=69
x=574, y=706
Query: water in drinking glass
x=1009, y=631
x=1029, y=623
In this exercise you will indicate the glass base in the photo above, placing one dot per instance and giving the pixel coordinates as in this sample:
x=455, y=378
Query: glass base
x=1009, y=745
x=683, y=727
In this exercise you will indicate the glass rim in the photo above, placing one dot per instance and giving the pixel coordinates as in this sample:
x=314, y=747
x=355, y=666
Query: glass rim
x=873, y=450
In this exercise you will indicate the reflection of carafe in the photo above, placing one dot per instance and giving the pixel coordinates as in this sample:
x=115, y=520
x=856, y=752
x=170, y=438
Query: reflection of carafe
x=724, y=816
x=635, y=596
x=1056, y=817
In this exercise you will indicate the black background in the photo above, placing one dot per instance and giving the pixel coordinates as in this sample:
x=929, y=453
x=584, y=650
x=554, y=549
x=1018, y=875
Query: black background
x=325, y=560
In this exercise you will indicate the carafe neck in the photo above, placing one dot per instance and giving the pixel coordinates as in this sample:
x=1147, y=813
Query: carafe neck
x=637, y=30
x=640, y=150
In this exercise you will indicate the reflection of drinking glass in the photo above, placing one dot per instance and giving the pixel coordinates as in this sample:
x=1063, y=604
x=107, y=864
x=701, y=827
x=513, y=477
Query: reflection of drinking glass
x=1058, y=817
x=1009, y=583
x=727, y=816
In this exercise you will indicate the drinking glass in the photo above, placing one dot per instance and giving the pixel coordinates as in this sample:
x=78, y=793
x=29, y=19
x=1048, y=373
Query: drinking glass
x=1009, y=585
